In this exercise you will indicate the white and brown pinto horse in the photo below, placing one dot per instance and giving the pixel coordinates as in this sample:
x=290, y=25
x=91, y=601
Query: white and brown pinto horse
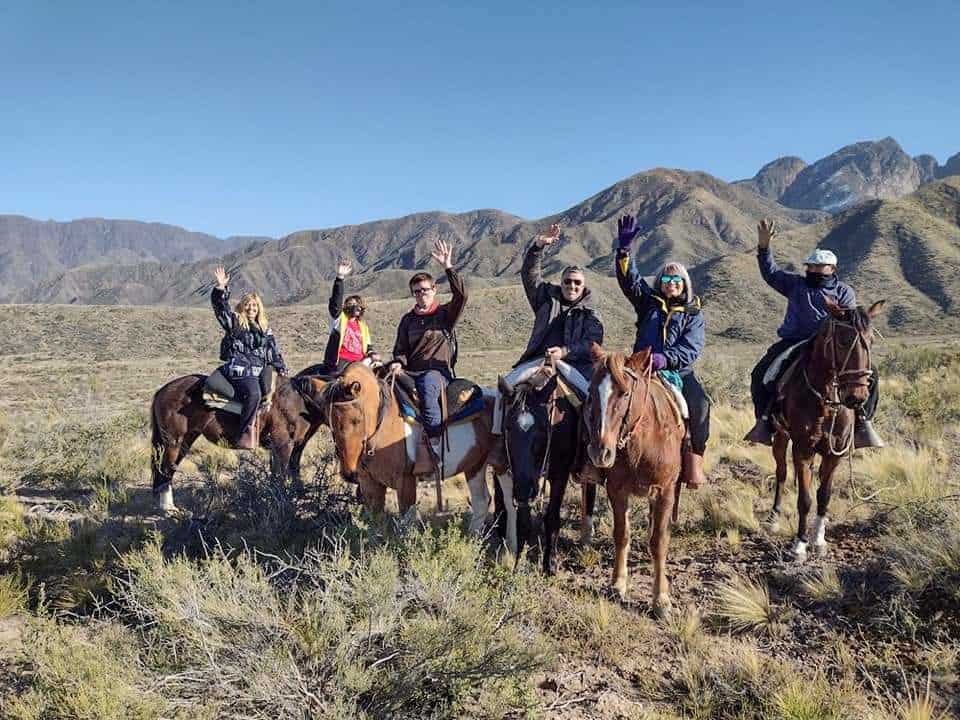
x=635, y=434
x=377, y=447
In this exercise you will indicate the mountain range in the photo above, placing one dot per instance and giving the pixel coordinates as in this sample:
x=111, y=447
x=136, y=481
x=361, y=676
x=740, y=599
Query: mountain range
x=894, y=220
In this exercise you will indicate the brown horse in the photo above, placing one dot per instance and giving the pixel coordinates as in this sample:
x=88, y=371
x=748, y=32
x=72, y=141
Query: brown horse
x=817, y=412
x=635, y=435
x=377, y=447
x=179, y=416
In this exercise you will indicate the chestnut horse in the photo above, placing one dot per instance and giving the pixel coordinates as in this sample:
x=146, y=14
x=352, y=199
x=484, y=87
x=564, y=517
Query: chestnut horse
x=635, y=435
x=377, y=447
x=817, y=412
x=179, y=415
x=540, y=429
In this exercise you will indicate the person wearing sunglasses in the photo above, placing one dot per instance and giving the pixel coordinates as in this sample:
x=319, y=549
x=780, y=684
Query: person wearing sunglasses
x=349, y=339
x=426, y=349
x=565, y=324
x=671, y=324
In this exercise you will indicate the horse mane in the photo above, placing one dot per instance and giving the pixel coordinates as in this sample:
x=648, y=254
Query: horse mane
x=860, y=319
x=615, y=362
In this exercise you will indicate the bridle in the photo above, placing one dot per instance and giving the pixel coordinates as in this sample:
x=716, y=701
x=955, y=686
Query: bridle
x=336, y=387
x=551, y=405
x=626, y=431
x=837, y=370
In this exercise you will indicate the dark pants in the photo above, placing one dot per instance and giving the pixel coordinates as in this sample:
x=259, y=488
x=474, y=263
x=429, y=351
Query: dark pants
x=248, y=395
x=763, y=394
x=431, y=384
x=698, y=405
x=266, y=380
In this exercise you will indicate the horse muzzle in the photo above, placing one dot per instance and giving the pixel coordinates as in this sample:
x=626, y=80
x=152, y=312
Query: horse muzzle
x=602, y=457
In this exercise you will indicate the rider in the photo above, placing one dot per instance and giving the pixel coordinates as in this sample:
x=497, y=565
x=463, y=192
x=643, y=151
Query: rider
x=349, y=339
x=426, y=349
x=250, y=351
x=565, y=324
x=805, y=309
x=671, y=323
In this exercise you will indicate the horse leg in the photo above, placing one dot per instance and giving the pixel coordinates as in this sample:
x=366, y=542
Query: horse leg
x=780, y=443
x=373, y=493
x=802, y=469
x=551, y=519
x=828, y=464
x=505, y=482
x=280, y=453
x=407, y=501
x=479, y=500
x=618, y=495
x=165, y=460
x=588, y=501
x=661, y=508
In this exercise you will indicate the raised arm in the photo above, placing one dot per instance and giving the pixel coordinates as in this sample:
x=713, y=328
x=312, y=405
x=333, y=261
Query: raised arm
x=780, y=280
x=220, y=297
x=443, y=253
x=631, y=283
x=335, y=304
x=531, y=273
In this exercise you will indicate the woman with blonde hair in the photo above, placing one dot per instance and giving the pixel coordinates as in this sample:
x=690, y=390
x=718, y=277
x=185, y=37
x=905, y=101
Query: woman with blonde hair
x=250, y=351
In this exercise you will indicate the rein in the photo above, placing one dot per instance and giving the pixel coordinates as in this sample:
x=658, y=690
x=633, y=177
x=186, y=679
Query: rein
x=830, y=396
x=626, y=432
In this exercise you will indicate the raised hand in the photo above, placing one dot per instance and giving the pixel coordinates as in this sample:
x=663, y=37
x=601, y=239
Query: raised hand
x=627, y=230
x=548, y=236
x=343, y=268
x=765, y=232
x=443, y=253
x=220, y=274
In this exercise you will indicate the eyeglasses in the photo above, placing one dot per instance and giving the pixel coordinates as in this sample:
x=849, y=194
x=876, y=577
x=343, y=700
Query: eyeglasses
x=351, y=308
x=671, y=278
x=574, y=283
x=422, y=290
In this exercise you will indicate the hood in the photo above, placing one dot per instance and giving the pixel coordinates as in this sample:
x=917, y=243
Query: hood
x=585, y=301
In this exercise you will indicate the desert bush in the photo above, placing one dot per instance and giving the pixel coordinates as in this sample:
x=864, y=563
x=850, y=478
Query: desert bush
x=84, y=674
x=744, y=604
x=731, y=509
x=12, y=525
x=14, y=590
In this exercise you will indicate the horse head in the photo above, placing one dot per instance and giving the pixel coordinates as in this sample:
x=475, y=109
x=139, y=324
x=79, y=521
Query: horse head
x=354, y=412
x=610, y=402
x=842, y=350
x=527, y=428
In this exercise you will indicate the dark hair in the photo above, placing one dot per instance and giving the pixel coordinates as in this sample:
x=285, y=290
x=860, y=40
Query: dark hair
x=419, y=278
x=359, y=301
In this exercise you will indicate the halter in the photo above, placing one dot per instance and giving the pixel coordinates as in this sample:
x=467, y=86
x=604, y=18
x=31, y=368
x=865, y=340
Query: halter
x=550, y=407
x=625, y=432
x=830, y=397
x=369, y=447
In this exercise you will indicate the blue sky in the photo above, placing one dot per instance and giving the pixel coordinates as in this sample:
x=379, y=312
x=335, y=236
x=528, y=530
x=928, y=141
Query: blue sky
x=265, y=118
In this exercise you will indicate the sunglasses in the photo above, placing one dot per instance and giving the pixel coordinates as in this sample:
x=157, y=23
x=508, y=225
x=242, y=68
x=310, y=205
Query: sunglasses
x=422, y=290
x=352, y=308
x=671, y=278
x=574, y=283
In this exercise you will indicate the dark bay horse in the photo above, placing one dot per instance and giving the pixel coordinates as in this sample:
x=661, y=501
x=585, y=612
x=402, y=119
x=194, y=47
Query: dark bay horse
x=179, y=415
x=540, y=429
x=817, y=412
x=635, y=435
x=377, y=447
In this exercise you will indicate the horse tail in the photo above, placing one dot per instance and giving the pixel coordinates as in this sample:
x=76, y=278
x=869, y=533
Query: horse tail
x=156, y=436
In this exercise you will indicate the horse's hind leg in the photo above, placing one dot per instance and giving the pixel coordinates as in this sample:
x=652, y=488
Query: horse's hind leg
x=551, y=519
x=588, y=501
x=621, y=535
x=780, y=443
x=661, y=508
x=165, y=460
x=505, y=485
x=827, y=467
x=804, y=472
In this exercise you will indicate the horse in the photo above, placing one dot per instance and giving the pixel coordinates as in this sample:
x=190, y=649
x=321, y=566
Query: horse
x=635, y=435
x=816, y=413
x=541, y=433
x=179, y=415
x=377, y=447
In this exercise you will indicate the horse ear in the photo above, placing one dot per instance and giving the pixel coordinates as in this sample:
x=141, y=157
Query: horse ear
x=833, y=308
x=353, y=389
x=596, y=352
x=639, y=360
x=875, y=309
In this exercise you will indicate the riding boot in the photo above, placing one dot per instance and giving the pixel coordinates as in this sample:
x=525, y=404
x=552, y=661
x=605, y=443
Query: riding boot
x=693, y=475
x=761, y=432
x=864, y=436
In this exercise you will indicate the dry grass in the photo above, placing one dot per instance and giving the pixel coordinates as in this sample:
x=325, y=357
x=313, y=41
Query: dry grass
x=823, y=585
x=744, y=604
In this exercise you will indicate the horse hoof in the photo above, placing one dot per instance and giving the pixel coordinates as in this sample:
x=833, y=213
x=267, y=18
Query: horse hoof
x=799, y=551
x=619, y=590
x=662, y=608
x=821, y=548
x=164, y=501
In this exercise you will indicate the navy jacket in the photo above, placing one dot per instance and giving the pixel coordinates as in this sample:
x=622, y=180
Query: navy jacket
x=805, y=305
x=246, y=352
x=677, y=331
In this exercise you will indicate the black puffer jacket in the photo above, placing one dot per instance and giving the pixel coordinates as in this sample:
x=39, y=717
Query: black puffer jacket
x=246, y=351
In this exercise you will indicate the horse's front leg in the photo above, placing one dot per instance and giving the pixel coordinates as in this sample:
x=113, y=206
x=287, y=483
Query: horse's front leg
x=827, y=467
x=551, y=519
x=661, y=507
x=780, y=443
x=802, y=467
x=479, y=500
x=618, y=494
x=505, y=484
x=588, y=502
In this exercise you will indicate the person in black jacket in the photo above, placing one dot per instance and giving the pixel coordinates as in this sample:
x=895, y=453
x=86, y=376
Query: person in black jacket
x=349, y=333
x=250, y=351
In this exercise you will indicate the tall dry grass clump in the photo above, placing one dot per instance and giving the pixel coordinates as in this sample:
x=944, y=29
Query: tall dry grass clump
x=744, y=604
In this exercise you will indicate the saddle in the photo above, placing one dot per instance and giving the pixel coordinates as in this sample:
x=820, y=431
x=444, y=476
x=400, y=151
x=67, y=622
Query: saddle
x=678, y=402
x=784, y=365
x=218, y=394
x=464, y=399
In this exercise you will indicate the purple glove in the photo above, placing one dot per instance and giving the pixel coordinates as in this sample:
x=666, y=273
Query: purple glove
x=627, y=230
x=658, y=360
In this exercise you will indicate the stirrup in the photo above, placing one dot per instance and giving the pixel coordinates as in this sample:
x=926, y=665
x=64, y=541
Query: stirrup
x=864, y=436
x=760, y=433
